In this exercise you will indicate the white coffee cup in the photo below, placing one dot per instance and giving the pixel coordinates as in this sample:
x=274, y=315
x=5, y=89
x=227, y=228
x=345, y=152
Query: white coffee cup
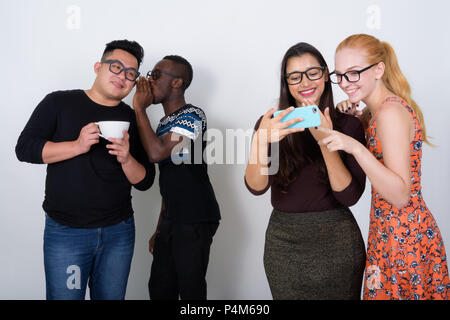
x=112, y=129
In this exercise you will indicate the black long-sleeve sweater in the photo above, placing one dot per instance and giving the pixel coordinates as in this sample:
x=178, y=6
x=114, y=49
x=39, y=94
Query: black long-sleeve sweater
x=90, y=190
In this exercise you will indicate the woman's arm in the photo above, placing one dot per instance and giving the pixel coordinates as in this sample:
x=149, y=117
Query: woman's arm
x=391, y=179
x=338, y=174
x=257, y=164
x=270, y=129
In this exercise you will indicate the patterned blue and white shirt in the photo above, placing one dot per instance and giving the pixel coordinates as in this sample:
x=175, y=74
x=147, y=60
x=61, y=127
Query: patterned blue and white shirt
x=188, y=121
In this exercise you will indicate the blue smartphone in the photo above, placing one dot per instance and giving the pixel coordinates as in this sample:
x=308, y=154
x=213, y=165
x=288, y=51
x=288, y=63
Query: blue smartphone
x=309, y=114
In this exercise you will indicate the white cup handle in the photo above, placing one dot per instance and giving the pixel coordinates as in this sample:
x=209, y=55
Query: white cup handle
x=100, y=135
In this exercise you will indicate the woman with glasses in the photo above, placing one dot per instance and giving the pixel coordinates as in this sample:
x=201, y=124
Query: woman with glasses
x=405, y=255
x=314, y=248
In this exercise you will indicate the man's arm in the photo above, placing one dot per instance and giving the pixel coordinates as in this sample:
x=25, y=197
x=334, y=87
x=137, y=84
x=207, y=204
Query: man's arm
x=60, y=151
x=151, y=242
x=134, y=171
x=157, y=149
x=35, y=143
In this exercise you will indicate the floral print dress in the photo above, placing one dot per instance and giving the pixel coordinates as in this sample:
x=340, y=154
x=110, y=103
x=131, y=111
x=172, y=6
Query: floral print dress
x=405, y=252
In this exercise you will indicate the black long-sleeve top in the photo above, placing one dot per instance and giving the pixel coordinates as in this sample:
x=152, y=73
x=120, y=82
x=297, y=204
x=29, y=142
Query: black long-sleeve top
x=308, y=192
x=89, y=190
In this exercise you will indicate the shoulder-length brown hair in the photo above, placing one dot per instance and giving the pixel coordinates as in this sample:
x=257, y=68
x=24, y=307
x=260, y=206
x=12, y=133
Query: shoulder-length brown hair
x=300, y=149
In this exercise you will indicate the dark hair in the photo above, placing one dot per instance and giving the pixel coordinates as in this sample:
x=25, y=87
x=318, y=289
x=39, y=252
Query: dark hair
x=131, y=47
x=187, y=72
x=300, y=149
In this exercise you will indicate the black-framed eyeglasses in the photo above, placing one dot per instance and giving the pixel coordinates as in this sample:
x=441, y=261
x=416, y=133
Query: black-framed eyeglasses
x=350, y=76
x=156, y=73
x=314, y=73
x=116, y=67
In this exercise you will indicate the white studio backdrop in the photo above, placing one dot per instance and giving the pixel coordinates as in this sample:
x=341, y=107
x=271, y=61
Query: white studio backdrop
x=235, y=48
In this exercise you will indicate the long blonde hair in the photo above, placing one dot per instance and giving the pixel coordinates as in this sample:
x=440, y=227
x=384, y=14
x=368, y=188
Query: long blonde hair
x=393, y=78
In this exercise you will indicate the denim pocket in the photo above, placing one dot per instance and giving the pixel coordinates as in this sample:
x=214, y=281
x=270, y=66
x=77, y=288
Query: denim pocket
x=129, y=221
x=52, y=224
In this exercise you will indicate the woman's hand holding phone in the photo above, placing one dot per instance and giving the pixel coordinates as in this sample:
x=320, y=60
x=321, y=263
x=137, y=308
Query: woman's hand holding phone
x=325, y=122
x=273, y=129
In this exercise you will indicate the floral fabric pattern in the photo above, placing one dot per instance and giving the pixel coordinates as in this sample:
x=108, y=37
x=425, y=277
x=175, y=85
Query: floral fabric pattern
x=406, y=257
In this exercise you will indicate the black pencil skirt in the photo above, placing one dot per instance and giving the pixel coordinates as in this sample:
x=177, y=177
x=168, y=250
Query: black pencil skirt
x=314, y=255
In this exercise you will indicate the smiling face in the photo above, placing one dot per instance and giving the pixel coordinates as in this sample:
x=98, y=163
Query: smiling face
x=307, y=89
x=354, y=59
x=114, y=87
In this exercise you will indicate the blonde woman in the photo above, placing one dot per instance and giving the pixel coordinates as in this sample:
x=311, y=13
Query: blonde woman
x=405, y=253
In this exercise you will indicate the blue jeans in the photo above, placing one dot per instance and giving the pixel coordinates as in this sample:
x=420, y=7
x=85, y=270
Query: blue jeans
x=74, y=256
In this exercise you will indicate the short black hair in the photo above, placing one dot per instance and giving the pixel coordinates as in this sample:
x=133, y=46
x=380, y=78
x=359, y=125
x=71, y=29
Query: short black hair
x=187, y=71
x=131, y=47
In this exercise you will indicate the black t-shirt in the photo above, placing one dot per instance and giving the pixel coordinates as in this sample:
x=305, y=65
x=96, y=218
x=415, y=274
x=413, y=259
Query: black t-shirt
x=90, y=190
x=184, y=182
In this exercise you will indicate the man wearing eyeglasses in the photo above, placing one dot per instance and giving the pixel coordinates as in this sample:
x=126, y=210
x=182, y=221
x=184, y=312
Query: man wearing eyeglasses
x=89, y=228
x=189, y=214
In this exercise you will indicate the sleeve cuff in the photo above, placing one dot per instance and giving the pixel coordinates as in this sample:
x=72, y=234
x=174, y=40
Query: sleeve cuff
x=148, y=180
x=350, y=195
x=256, y=192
